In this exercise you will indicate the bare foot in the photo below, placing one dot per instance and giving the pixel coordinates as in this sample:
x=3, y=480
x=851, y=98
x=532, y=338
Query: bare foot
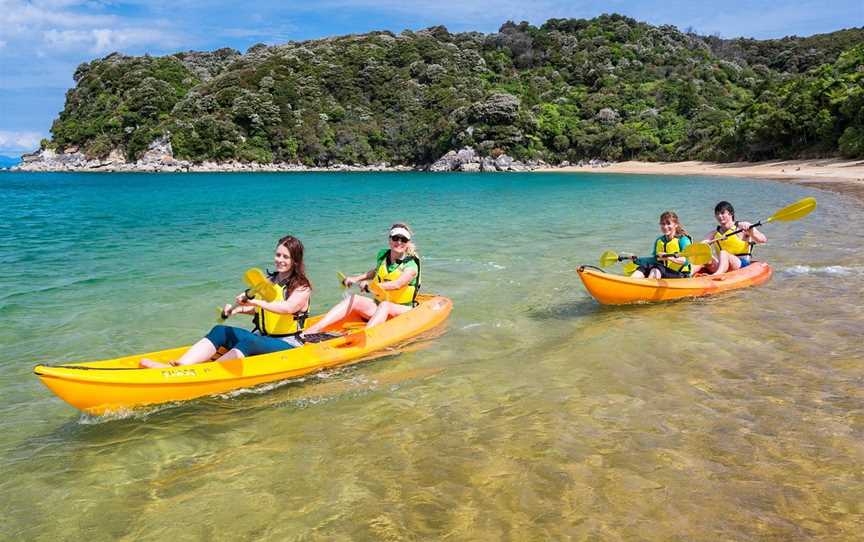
x=150, y=364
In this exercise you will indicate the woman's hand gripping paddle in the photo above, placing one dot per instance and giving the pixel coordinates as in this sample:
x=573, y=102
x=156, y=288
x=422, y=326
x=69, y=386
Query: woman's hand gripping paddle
x=259, y=286
x=797, y=210
x=373, y=286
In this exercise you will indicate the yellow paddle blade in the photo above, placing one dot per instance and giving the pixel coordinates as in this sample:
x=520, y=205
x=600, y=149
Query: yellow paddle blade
x=629, y=267
x=608, y=258
x=376, y=289
x=253, y=277
x=697, y=253
x=220, y=316
x=341, y=276
x=795, y=211
x=260, y=284
x=266, y=291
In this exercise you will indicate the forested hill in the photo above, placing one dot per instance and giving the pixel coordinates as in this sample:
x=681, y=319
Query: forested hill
x=609, y=87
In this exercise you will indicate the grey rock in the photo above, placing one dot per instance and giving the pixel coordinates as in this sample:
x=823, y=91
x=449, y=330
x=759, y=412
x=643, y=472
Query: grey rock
x=445, y=163
x=453, y=160
x=159, y=150
x=467, y=155
x=503, y=162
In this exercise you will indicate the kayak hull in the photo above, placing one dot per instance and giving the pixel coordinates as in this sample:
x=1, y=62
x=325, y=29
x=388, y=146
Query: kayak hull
x=116, y=385
x=611, y=289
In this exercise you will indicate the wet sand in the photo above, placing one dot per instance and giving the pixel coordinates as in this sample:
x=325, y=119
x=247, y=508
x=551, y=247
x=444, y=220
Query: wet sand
x=842, y=176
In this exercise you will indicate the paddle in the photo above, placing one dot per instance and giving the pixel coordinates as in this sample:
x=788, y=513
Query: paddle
x=797, y=210
x=373, y=286
x=259, y=286
x=696, y=253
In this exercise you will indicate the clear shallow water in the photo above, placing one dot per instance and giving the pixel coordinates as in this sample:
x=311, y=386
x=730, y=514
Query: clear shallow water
x=537, y=414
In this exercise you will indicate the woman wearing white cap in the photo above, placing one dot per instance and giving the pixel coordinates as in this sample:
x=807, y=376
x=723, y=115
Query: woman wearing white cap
x=394, y=281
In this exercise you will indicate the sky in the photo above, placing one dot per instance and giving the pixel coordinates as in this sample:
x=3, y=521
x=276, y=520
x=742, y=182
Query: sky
x=42, y=41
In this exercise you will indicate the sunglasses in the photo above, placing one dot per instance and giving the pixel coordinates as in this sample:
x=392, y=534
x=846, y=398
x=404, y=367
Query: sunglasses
x=399, y=239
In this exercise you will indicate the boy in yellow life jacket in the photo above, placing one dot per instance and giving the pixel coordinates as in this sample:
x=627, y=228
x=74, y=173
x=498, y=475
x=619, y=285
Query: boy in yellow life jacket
x=733, y=250
x=662, y=264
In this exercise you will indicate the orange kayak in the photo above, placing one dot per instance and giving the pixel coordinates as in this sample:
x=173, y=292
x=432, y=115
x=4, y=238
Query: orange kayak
x=611, y=289
x=97, y=387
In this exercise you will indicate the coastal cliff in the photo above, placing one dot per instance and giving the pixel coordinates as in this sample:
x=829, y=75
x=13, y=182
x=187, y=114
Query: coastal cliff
x=608, y=88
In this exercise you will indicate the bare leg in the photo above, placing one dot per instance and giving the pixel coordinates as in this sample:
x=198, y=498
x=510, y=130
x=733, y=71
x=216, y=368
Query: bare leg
x=384, y=311
x=654, y=273
x=722, y=263
x=638, y=274
x=199, y=352
x=728, y=262
x=734, y=262
x=363, y=305
x=231, y=354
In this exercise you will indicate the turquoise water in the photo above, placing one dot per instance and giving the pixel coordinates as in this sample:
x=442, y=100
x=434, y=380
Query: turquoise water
x=537, y=414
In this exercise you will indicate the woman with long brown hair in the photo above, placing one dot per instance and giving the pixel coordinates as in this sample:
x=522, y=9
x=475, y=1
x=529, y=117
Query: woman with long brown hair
x=276, y=321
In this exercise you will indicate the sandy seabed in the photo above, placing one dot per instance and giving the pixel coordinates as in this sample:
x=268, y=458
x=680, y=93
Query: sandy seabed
x=843, y=176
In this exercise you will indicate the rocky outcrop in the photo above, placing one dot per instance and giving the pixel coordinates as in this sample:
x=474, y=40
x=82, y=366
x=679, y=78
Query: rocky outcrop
x=159, y=151
x=159, y=158
x=466, y=159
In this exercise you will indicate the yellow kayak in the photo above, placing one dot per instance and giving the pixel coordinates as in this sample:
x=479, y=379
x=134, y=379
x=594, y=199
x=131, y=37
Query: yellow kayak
x=612, y=289
x=98, y=387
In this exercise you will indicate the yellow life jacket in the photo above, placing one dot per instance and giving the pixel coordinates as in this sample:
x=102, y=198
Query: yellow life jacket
x=274, y=324
x=670, y=247
x=732, y=244
x=405, y=295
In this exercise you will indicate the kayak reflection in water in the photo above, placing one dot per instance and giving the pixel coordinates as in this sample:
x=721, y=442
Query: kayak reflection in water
x=276, y=321
x=662, y=264
x=394, y=281
x=734, y=247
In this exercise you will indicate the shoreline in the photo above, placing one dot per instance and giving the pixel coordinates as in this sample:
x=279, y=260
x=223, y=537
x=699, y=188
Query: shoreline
x=841, y=176
x=837, y=175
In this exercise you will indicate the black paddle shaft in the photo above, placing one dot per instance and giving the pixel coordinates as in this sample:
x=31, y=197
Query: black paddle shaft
x=736, y=232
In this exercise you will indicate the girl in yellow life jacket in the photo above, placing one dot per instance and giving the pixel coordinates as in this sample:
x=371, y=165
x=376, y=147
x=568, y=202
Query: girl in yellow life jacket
x=395, y=280
x=276, y=321
x=733, y=249
x=661, y=264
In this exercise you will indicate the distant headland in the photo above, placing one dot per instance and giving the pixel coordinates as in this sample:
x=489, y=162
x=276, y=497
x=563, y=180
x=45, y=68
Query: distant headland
x=604, y=89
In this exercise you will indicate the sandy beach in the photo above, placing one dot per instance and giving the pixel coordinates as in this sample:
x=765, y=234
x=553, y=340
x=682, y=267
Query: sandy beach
x=843, y=176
